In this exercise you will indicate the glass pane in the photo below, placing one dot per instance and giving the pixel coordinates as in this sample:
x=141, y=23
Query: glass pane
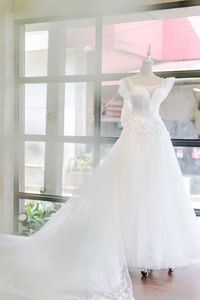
x=35, y=108
x=111, y=106
x=66, y=166
x=189, y=160
x=59, y=48
x=180, y=111
x=77, y=166
x=36, y=52
x=59, y=108
x=34, y=167
x=79, y=108
x=80, y=47
x=37, y=214
x=126, y=39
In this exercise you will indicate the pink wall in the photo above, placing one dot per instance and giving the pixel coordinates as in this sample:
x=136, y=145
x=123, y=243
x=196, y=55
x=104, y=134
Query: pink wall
x=180, y=41
x=136, y=37
x=125, y=44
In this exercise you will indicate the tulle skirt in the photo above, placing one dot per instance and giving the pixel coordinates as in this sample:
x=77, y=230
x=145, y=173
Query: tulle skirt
x=79, y=253
x=159, y=226
x=132, y=212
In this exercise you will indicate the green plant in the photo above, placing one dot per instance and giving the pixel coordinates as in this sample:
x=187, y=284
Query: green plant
x=39, y=212
x=83, y=162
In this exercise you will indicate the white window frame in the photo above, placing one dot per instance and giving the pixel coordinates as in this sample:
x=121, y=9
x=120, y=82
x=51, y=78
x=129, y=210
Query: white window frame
x=97, y=78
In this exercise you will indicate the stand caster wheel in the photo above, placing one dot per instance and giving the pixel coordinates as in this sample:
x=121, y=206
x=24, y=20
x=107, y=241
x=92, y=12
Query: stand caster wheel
x=171, y=270
x=144, y=273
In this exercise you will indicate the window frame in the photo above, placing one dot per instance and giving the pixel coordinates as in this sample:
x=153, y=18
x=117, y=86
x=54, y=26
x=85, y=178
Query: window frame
x=97, y=78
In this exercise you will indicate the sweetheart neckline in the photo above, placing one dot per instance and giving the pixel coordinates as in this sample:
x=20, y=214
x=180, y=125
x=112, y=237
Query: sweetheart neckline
x=145, y=87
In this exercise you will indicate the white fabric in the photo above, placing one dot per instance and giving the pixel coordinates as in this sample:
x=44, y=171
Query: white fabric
x=77, y=255
x=133, y=211
x=159, y=226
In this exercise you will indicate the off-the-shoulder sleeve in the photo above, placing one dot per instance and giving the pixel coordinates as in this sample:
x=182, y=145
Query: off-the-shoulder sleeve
x=121, y=88
x=169, y=86
x=127, y=106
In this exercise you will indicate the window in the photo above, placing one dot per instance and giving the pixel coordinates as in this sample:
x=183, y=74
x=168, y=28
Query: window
x=175, y=43
x=67, y=106
x=56, y=133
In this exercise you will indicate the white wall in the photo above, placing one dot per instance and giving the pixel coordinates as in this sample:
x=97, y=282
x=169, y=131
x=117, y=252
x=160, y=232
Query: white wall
x=38, y=8
x=6, y=117
x=23, y=9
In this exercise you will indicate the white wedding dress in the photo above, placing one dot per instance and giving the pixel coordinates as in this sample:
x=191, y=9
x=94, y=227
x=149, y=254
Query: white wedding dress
x=132, y=212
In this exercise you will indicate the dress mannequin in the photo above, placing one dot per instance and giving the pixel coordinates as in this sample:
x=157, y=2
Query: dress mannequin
x=146, y=76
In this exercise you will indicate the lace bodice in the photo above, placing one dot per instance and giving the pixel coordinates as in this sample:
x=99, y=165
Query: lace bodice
x=138, y=100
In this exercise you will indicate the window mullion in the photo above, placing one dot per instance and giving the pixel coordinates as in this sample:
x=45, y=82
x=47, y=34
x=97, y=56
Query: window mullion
x=55, y=114
x=18, y=115
x=97, y=107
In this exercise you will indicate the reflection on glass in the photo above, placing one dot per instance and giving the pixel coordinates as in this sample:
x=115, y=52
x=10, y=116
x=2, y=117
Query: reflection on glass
x=36, y=52
x=196, y=112
x=35, y=108
x=111, y=106
x=38, y=213
x=189, y=160
x=180, y=111
x=34, y=167
x=59, y=48
x=125, y=43
x=77, y=166
x=79, y=108
x=58, y=108
x=80, y=47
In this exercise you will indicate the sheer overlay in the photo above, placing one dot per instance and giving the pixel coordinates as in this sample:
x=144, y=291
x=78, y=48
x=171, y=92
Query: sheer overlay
x=159, y=226
x=78, y=254
x=132, y=212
